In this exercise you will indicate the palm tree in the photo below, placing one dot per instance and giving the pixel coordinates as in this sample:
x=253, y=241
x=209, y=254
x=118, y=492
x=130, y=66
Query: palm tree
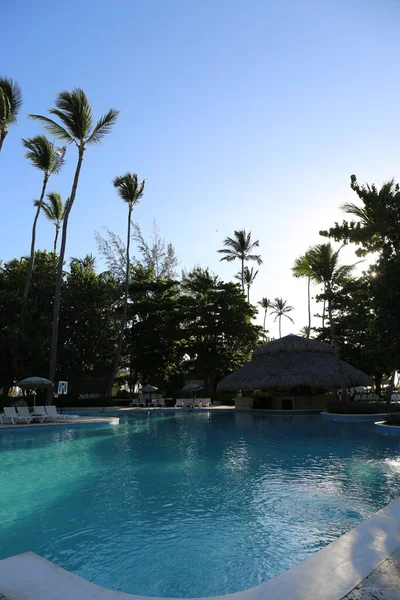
x=301, y=268
x=49, y=159
x=86, y=263
x=326, y=270
x=281, y=309
x=10, y=103
x=76, y=115
x=248, y=278
x=240, y=248
x=266, y=305
x=305, y=331
x=54, y=211
x=130, y=190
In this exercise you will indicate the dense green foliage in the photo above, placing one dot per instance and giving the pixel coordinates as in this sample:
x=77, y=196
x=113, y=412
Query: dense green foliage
x=199, y=325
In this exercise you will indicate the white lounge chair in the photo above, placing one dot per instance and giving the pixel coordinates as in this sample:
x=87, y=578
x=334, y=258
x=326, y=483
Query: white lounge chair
x=10, y=414
x=179, y=403
x=52, y=413
x=41, y=414
x=197, y=402
x=23, y=412
x=206, y=402
x=161, y=401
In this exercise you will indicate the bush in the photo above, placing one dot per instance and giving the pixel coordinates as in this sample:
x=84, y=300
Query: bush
x=361, y=408
x=393, y=419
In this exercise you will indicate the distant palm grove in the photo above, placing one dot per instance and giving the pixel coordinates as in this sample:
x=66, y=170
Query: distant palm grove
x=139, y=321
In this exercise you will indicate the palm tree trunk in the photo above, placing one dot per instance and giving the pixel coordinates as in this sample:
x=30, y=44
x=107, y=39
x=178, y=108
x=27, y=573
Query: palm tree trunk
x=324, y=311
x=2, y=138
x=248, y=294
x=33, y=242
x=243, y=275
x=265, y=317
x=125, y=309
x=309, y=306
x=280, y=332
x=55, y=239
x=336, y=347
x=59, y=278
x=390, y=387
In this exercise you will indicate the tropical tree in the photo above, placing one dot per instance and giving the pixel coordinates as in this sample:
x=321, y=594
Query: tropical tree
x=130, y=189
x=301, y=268
x=49, y=159
x=305, y=331
x=54, y=211
x=266, y=305
x=88, y=262
x=10, y=103
x=240, y=247
x=76, y=115
x=281, y=309
x=249, y=276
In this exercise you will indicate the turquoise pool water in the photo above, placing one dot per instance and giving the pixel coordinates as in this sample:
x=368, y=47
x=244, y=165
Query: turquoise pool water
x=190, y=504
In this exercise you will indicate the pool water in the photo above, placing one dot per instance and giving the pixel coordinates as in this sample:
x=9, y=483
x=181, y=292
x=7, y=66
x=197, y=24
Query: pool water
x=190, y=504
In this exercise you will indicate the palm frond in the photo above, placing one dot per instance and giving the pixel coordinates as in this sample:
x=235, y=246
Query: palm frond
x=103, y=126
x=53, y=208
x=130, y=189
x=75, y=111
x=53, y=128
x=43, y=154
x=12, y=92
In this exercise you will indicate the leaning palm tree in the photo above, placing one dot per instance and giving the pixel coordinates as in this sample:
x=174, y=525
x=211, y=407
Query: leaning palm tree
x=248, y=278
x=10, y=103
x=88, y=262
x=76, y=116
x=49, y=159
x=266, y=305
x=240, y=247
x=130, y=189
x=301, y=268
x=281, y=309
x=54, y=211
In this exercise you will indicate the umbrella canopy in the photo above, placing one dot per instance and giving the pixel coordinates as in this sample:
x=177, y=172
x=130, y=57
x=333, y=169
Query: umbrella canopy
x=192, y=387
x=35, y=383
x=291, y=362
x=149, y=388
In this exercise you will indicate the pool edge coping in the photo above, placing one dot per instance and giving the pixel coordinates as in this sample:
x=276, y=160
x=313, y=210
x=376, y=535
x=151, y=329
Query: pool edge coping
x=329, y=574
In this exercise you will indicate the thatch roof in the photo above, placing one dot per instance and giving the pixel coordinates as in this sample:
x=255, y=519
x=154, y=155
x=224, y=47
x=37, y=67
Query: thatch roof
x=291, y=362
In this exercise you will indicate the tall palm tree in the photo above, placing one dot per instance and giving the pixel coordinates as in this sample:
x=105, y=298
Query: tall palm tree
x=266, y=305
x=76, y=116
x=240, y=247
x=281, y=309
x=54, y=211
x=326, y=270
x=88, y=262
x=10, y=103
x=305, y=331
x=301, y=268
x=49, y=159
x=248, y=277
x=130, y=189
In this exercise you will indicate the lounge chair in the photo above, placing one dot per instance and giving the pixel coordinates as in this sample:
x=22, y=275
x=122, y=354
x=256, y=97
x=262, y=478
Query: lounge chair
x=52, y=413
x=10, y=414
x=206, y=402
x=23, y=412
x=179, y=403
x=161, y=401
x=41, y=414
x=197, y=402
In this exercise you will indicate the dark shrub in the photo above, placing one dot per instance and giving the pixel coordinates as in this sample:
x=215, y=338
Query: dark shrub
x=393, y=419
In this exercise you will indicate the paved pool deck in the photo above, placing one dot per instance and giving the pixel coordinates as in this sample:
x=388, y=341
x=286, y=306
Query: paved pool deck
x=381, y=584
x=81, y=420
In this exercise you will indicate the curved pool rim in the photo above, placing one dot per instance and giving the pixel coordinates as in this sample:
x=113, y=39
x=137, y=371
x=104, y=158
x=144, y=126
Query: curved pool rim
x=329, y=574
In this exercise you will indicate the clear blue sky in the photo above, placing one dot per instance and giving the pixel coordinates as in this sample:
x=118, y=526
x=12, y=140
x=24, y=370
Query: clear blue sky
x=239, y=114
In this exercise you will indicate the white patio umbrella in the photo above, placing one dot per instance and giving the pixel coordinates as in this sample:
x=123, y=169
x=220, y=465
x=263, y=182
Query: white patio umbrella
x=35, y=383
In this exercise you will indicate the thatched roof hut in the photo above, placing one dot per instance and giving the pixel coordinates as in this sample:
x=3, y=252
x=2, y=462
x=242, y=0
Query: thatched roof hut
x=293, y=362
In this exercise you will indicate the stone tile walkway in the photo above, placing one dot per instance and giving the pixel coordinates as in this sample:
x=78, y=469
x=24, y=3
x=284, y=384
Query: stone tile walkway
x=381, y=584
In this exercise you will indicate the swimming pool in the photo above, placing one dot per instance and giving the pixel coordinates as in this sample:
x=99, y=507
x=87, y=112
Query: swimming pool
x=190, y=504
